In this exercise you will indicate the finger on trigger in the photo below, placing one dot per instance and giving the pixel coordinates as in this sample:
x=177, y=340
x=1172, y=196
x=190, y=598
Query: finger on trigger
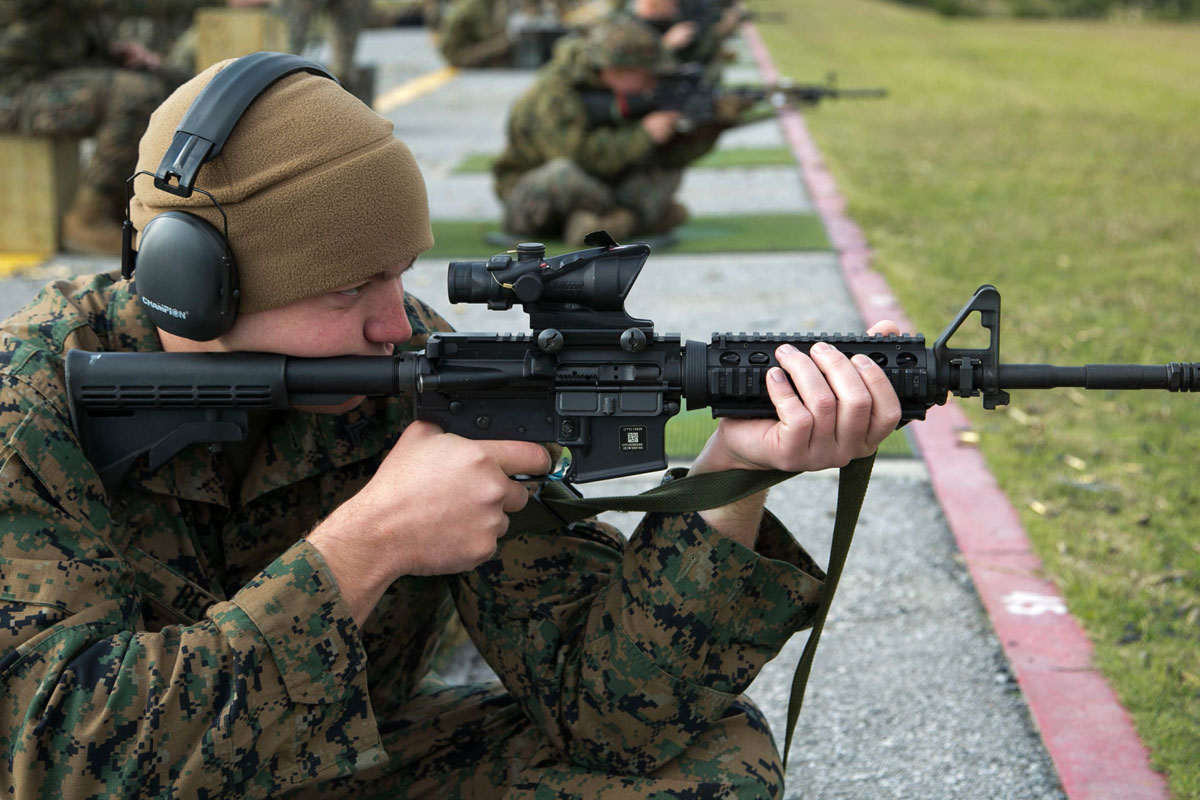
x=521, y=458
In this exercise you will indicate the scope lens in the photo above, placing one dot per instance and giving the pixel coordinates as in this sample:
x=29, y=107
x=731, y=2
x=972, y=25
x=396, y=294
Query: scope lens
x=469, y=282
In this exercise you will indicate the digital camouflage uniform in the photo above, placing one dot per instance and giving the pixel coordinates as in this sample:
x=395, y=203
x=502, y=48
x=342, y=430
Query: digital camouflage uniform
x=555, y=161
x=183, y=639
x=57, y=78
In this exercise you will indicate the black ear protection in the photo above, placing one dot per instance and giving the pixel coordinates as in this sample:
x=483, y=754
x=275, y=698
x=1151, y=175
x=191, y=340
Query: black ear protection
x=186, y=277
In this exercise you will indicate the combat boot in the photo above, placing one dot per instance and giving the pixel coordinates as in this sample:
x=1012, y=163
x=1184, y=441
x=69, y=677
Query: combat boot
x=90, y=226
x=619, y=223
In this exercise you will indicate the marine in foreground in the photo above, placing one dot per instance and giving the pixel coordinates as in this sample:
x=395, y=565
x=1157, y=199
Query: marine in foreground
x=260, y=618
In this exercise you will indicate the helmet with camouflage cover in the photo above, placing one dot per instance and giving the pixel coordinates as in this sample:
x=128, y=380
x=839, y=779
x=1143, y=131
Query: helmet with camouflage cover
x=627, y=43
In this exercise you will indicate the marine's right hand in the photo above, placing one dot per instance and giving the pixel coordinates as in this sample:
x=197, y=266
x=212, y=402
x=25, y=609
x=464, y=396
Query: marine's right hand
x=660, y=125
x=436, y=506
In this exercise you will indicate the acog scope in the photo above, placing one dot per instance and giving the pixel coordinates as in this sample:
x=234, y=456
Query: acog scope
x=598, y=279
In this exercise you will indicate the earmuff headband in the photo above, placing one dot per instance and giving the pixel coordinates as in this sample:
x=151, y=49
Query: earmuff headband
x=210, y=119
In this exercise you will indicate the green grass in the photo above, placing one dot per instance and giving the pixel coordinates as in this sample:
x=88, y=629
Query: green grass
x=475, y=162
x=717, y=159
x=1061, y=162
x=732, y=233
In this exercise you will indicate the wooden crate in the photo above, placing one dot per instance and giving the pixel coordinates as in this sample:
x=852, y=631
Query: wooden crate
x=38, y=178
x=233, y=32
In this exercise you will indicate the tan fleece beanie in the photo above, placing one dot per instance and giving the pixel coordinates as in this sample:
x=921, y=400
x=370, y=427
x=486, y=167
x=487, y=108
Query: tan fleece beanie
x=318, y=191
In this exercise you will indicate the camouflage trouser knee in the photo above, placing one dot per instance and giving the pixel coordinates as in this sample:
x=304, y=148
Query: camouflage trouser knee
x=113, y=105
x=475, y=742
x=543, y=198
x=648, y=192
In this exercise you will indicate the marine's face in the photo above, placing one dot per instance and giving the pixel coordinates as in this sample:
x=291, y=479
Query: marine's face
x=366, y=318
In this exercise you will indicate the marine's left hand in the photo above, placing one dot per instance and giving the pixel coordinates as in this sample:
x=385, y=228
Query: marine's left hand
x=839, y=410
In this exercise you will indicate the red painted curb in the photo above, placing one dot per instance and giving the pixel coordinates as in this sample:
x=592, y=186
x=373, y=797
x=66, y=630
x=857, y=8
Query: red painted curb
x=1089, y=735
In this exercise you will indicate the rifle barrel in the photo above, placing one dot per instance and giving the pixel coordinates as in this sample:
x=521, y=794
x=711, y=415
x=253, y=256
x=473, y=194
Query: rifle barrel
x=1174, y=377
x=861, y=92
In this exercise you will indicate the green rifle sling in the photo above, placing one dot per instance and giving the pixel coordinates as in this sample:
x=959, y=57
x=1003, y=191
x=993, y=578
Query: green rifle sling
x=556, y=507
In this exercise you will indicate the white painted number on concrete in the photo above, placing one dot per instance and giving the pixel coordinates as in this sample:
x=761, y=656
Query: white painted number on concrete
x=1028, y=604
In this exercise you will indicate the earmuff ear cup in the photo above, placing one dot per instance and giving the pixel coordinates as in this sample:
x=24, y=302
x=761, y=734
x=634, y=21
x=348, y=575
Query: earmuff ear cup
x=186, y=279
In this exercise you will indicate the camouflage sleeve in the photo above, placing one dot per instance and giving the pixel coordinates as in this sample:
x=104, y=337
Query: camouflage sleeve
x=267, y=691
x=555, y=123
x=624, y=653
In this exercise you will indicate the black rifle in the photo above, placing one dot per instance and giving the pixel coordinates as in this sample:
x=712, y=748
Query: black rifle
x=700, y=101
x=587, y=376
